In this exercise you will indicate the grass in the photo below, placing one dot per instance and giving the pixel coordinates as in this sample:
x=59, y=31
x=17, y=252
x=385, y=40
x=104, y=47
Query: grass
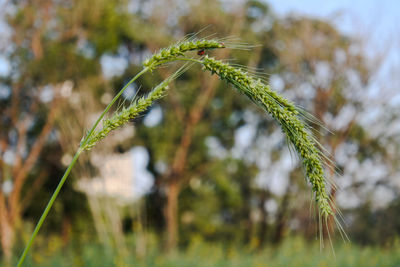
x=292, y=252
x=290, y=118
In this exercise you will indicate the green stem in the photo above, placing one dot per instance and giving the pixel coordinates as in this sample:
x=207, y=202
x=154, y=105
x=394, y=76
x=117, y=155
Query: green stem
x=48, y=207
x=65, y=176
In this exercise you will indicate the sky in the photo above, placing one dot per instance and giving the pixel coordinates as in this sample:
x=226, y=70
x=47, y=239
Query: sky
x=380, y=17
x=375, y=21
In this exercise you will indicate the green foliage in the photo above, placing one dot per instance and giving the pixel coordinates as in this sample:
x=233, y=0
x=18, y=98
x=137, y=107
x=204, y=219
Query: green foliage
x=61, y=57
x=292, y=252
x=219, y=197
x=382, y=225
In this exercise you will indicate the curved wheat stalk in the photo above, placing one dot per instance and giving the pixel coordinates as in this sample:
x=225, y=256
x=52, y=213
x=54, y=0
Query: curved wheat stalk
x=287, y=115
x=283, y=111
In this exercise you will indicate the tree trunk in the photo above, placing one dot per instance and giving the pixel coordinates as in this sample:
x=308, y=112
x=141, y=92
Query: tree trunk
x=246, y=211
x=264, y=217
x=66, y=230
x=7, y=239
x=171, y=214
x=281, y=218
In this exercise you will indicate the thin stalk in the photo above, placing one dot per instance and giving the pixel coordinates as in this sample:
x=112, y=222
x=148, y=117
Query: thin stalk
x=83, y=143
x=171, y=53
x=68, y=170
x=184, y=59
x=48, y=207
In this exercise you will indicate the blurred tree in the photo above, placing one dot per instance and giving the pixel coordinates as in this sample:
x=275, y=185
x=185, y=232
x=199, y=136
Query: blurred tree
x=315, y=63
x=56, y=46
x=220, y=164
x=177, y=144
x=28, y=115
x=382, y=225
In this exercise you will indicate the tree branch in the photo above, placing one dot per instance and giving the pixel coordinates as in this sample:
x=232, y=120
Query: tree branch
x=32, y=158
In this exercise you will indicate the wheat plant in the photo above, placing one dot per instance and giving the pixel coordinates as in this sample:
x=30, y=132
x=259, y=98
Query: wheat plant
x=291, y=119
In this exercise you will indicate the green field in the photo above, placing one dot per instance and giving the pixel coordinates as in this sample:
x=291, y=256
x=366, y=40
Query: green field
x=292, y=252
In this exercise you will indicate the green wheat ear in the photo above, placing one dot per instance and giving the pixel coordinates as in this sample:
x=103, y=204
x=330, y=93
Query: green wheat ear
x=178, y=50
x=138, y=106
x=289, y=118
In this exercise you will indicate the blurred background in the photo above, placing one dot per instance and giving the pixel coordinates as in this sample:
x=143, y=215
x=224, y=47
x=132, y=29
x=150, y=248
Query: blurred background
x=204, y=178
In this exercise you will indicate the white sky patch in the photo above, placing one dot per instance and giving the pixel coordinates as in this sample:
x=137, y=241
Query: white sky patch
x=395, y=101
x=277, y=83
x=275, y=176
x=9, y=157
x=144, y=180
x=7, y=187
x=85, y=48
x=343, y=119
x=395, y=181
x=5, y=92
x=154, y=117
x=371, y=171
x=244, y=136
x=382, y=196
x=347, y=199
x=130, y=91
x=161, y=167
x=122, y=176
x=340, y=56
x=5, y=66
x=66, y=89
x=271, y=206
x=47, y=94
x=113, y=65
x=323, y=75
x=215, y=149
x=304, y=91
